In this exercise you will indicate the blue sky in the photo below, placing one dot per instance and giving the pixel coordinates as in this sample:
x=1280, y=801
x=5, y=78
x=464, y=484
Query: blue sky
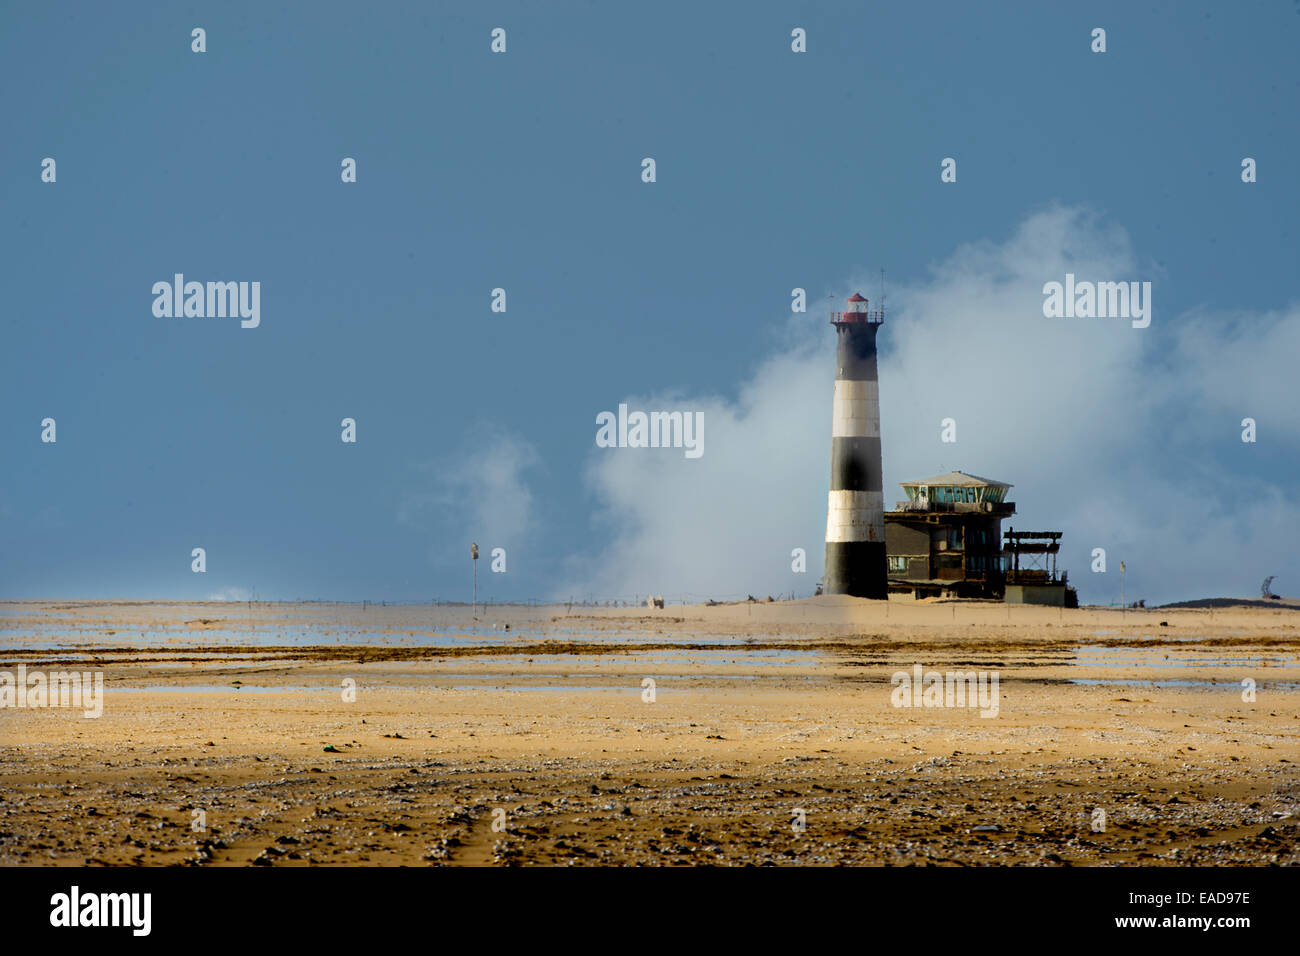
x=521, y=170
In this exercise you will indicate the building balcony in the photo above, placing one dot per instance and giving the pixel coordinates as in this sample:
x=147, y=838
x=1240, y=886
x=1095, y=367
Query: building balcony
x=1004, y=508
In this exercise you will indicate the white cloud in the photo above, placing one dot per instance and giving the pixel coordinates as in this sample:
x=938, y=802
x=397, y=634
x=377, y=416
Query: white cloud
x=1246, y=368
x=729, y=519
x=480, y=494
x=1107, y=432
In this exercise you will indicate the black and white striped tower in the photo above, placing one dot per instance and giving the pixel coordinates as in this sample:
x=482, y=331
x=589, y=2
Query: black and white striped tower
x=855, y=513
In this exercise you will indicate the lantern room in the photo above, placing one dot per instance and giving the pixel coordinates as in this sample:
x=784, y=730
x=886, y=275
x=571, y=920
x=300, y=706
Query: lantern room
x=857, y=311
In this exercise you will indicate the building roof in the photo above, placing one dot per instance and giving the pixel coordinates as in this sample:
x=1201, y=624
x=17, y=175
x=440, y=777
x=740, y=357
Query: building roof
x=856, y=297
x=958, y=479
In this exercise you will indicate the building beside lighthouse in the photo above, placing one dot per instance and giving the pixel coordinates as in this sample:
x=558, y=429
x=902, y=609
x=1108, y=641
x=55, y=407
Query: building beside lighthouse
x=946, y=540
x=855, y=512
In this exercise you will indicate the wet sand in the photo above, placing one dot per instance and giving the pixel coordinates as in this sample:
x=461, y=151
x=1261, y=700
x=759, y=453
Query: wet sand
x=467, y=743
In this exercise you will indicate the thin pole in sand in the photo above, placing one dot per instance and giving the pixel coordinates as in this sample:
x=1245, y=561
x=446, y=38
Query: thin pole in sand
x=473, y=553
x=1123, y=607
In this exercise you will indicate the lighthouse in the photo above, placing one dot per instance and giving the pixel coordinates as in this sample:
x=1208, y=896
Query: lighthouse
x=855, y=518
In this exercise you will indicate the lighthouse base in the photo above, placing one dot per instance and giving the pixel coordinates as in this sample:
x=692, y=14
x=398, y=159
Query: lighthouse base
x=857, y=568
